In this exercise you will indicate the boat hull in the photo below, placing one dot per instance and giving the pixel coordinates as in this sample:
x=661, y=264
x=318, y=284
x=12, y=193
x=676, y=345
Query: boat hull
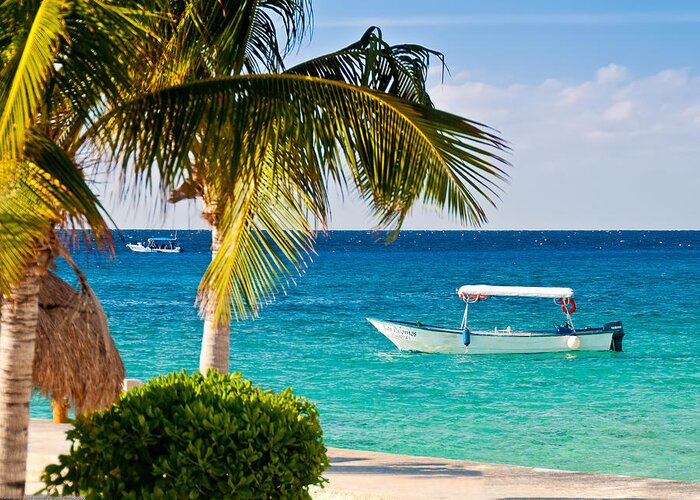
x=138, y=248
x=422, y=338
x=143, y=249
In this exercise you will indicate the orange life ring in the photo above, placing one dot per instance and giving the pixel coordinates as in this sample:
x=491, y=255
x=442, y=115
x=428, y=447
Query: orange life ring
x=473, y=297
x=568, y=306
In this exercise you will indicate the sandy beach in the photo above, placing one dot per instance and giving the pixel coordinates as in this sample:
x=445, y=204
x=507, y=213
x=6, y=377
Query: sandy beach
x=370, y=475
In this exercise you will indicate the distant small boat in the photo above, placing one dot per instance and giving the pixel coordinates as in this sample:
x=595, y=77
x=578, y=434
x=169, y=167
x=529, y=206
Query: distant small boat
x=418, y=337
x=160, y=245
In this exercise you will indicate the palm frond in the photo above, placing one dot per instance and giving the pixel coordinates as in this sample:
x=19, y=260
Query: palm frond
x=228, y=37
x=48, y=188
x=400, y=70
x=24, y=220
x=93, y=69
x=60, y=184
x=265, y=236
x=8, y=31
x=24, y=76
x=396, y=152
x=263, y=50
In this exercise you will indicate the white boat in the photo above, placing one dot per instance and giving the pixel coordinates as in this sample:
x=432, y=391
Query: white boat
x=160, y=245
x=418, y=337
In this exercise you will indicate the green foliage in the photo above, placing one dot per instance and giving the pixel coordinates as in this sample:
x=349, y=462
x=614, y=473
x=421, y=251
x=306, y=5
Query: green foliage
x=399, y=70
x=190, y=436
x=62, y=63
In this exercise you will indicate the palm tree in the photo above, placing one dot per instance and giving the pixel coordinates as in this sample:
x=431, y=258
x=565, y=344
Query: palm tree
x=258, y=148
x=60, y=64
x=259, y=144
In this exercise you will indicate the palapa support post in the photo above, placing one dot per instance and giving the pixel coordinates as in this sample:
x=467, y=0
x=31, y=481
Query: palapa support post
x=60, y=410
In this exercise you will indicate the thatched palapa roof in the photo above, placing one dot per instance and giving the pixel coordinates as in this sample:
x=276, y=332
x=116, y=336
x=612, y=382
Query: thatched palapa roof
x=75, y=356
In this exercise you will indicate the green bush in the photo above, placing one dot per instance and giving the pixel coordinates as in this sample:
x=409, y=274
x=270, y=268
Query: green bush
x=189, y=436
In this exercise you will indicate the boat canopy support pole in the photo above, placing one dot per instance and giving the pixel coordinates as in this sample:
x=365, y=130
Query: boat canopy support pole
x=466, y=314
x=570, y=322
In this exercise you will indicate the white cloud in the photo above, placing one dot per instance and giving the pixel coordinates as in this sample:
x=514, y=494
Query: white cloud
x=575, y=94
x=692, y=114
x=610, y=152
x=671, y=77
x=619, y=111
x=611, y=73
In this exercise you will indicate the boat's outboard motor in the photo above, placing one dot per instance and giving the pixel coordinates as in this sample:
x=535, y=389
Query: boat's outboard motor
x=466, y=337
x=617, y=336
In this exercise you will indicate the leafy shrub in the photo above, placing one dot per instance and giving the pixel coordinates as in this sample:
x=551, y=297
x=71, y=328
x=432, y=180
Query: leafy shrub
x=190, y=436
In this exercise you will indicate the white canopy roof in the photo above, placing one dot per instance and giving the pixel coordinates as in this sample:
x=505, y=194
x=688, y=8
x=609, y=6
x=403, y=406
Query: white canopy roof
x=516, y=291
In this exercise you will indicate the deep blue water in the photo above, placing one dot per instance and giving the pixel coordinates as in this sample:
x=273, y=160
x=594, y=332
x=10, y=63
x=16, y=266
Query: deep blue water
x=634, y=412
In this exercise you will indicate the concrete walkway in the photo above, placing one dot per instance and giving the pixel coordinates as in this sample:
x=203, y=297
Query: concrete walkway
x=46, y=442
x=369, y=475
x=372, y=475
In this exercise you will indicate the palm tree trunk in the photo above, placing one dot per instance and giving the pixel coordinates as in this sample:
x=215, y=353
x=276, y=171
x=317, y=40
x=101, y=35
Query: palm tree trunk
x=216, y=338
x=20, y=312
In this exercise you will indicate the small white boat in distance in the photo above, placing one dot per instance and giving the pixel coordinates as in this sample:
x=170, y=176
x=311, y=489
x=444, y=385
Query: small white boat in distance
x=160, y=245
x=418, y=337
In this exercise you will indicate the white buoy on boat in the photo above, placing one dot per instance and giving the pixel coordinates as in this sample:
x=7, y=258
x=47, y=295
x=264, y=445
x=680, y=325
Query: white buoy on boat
x=573, y=342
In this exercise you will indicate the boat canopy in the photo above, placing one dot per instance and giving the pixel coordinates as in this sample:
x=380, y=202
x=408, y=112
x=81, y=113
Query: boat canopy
x=516, y=291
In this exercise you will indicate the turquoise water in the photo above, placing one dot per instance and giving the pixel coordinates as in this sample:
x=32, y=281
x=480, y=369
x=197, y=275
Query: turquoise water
x=634, y=412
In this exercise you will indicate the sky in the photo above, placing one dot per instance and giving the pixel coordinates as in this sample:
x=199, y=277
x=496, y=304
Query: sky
x=599, y=100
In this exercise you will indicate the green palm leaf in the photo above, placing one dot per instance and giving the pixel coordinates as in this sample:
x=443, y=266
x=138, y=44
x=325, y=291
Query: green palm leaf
x=24, y=220
x=444, y=158
x=266, y=234
x=60, y=184
x=226, y=37
x=262, y=47
x=23, y=77
x=48, y=189
x=400, y=70
x=393, y=150
x=98, y=35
